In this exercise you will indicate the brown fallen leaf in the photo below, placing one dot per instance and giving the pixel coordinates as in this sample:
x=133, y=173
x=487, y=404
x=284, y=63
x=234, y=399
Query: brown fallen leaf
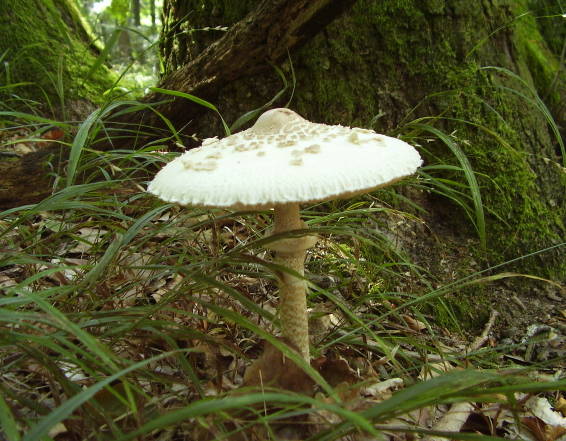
x=340, y=376
x=274, y=369
x=335, y=371
x=542, y=431
x=413, y=324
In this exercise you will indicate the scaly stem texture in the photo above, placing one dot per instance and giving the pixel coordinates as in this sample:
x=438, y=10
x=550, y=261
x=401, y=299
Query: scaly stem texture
x=292, y=289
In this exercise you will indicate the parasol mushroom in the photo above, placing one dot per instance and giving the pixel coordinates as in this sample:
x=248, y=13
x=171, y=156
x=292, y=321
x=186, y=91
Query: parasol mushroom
x=281, y=162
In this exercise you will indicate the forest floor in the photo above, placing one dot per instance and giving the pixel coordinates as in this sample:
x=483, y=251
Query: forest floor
x=373, y=335
x=528, y=308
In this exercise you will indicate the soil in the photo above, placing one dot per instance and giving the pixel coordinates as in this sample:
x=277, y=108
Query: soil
x=531, y=311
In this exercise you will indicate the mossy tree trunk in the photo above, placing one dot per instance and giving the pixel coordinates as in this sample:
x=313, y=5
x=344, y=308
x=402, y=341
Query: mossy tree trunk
x=47, y=53
x=387, y=63
x=48, y=44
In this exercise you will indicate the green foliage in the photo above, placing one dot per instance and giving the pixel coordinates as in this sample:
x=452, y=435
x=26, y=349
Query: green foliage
x=119, y=10
x=473, y=189
x=125, y=46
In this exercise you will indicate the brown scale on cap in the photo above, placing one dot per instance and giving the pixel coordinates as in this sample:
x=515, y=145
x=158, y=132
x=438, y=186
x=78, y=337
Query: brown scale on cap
x=313, y=148
x=296, y=162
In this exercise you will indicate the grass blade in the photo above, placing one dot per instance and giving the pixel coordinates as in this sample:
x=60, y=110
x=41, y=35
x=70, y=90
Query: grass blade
x=535, y=101
x=68, y=407
x=468, y=173
x=7, y=422
x=194, y=99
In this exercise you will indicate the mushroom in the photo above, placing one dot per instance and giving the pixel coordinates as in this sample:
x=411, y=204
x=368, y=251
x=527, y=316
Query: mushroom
x=280, y=162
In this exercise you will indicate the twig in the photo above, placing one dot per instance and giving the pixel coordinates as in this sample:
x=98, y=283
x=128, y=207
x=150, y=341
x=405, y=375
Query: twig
x=451, y=421
x=479, y=341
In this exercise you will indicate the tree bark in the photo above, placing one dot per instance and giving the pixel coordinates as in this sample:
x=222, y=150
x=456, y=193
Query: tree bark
x=387, y=63
x=136, y=12
x=152, y=13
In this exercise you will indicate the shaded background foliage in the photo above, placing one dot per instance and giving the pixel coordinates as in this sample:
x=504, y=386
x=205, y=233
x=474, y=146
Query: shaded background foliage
x=128, y=29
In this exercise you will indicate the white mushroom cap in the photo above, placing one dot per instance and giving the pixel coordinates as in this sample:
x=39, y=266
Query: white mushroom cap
x=282, y=159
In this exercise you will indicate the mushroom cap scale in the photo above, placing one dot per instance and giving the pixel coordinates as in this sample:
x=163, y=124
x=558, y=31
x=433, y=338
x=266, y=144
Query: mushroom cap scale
x=282, y=159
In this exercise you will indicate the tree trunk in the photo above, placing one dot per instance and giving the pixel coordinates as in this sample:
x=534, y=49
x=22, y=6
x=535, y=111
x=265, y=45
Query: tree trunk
x=153, y=14
x=387, y=63
x=46, y=43
x=252, y=45
x=136, y=12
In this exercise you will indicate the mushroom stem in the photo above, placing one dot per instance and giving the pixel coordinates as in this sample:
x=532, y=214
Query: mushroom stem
x=290, y=253
x=287, y=217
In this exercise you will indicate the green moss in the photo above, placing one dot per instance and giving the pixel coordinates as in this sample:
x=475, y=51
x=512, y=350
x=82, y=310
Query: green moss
x=550, y=14
x=539, y=61
x=46, y=50
x=371, y=64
